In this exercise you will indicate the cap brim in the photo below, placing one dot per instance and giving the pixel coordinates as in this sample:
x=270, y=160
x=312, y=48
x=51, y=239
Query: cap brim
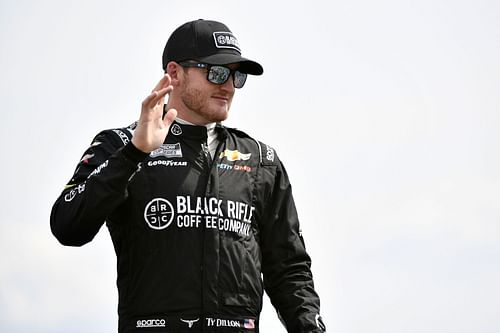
x=246, y=65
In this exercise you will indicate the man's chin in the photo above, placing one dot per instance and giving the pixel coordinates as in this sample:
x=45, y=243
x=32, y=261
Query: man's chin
x=213, y=115
x=219, y=116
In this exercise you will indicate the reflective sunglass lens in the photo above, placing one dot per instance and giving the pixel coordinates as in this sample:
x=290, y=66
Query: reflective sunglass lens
x=239, y=79
x=218, y=74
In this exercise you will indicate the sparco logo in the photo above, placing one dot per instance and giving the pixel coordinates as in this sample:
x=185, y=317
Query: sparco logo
x=159, y=213
x=151, y=323
x=122, y=136
x=269, y=153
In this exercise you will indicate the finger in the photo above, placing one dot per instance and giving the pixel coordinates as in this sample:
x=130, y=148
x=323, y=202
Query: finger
x=160, y=95
x=169, y=117
x=158, y=92
x=164, y=82
x=155, y=97
x=147, y=101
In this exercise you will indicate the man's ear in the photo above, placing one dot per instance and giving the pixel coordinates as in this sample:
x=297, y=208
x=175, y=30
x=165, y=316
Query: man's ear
x=176, y=72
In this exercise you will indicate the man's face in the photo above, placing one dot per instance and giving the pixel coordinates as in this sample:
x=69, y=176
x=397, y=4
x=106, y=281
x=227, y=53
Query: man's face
x=207, y=101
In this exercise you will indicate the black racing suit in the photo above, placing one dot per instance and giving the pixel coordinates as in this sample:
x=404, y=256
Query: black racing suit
x=192, y=235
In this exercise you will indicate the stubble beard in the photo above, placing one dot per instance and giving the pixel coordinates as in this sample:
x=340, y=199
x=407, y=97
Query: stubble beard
x=198, y=102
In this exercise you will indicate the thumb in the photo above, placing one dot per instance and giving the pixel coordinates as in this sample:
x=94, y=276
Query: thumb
x=169, y=117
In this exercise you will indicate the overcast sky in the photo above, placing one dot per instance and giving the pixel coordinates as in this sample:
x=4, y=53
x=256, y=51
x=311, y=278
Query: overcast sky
x=385, y=113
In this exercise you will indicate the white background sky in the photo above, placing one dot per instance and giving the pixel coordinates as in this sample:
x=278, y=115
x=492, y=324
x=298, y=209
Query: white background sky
x=386, y=114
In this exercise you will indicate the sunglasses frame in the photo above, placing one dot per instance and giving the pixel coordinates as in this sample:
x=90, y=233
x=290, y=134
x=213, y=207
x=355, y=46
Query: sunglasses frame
x=232, y=72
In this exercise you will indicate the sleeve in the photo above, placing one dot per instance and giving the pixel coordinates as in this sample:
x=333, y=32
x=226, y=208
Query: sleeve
x=97, y=187
x=286, y=266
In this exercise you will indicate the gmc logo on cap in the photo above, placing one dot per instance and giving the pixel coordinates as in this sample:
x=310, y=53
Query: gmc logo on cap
x=226, y=40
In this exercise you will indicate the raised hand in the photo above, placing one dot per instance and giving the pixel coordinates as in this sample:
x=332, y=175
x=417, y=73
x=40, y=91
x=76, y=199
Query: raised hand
x=153, y=127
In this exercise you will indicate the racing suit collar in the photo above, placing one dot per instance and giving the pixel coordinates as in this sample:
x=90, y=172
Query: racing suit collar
x=188, y=130
x=209, y=126
x=211, y=134
x=201, y=132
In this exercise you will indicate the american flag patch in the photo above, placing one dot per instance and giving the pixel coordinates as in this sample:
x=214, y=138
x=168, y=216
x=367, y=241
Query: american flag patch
x=249, y=323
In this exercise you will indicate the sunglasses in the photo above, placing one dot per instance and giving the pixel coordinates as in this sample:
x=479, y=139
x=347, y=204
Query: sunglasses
x=219, y=74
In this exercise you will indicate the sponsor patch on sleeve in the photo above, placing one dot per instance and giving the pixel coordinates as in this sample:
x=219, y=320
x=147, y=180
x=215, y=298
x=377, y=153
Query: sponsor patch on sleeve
x=267, y=154
x=122, y=136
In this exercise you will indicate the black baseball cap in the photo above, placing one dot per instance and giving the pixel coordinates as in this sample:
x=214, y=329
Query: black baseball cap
x=209, y=42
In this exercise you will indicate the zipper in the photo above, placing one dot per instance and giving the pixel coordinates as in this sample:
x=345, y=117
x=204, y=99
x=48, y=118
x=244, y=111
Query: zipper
x=210, y=164
x=206, y=152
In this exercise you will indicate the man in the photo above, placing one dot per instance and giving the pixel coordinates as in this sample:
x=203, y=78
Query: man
x=197, y=212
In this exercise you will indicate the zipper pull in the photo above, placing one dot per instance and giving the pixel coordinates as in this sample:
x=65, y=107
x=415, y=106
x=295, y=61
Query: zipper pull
x=204, y=146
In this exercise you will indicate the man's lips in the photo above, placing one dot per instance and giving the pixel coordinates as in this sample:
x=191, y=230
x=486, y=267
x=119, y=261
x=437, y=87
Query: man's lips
x=222, y=98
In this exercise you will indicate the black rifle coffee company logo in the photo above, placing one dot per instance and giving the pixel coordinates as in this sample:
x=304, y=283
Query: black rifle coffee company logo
x=159, y=213
x=200, y=212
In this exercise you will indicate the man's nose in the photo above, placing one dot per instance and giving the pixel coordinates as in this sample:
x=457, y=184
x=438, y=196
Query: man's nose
x=229, y=84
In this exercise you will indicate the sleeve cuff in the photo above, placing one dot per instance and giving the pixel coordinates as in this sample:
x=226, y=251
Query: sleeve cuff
x=133, y=154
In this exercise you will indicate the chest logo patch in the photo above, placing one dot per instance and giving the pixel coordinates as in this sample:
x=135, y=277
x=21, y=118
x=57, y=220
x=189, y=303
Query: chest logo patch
x=234, y=155
x=176, y=129
x=159, y=213
x=168, y=150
